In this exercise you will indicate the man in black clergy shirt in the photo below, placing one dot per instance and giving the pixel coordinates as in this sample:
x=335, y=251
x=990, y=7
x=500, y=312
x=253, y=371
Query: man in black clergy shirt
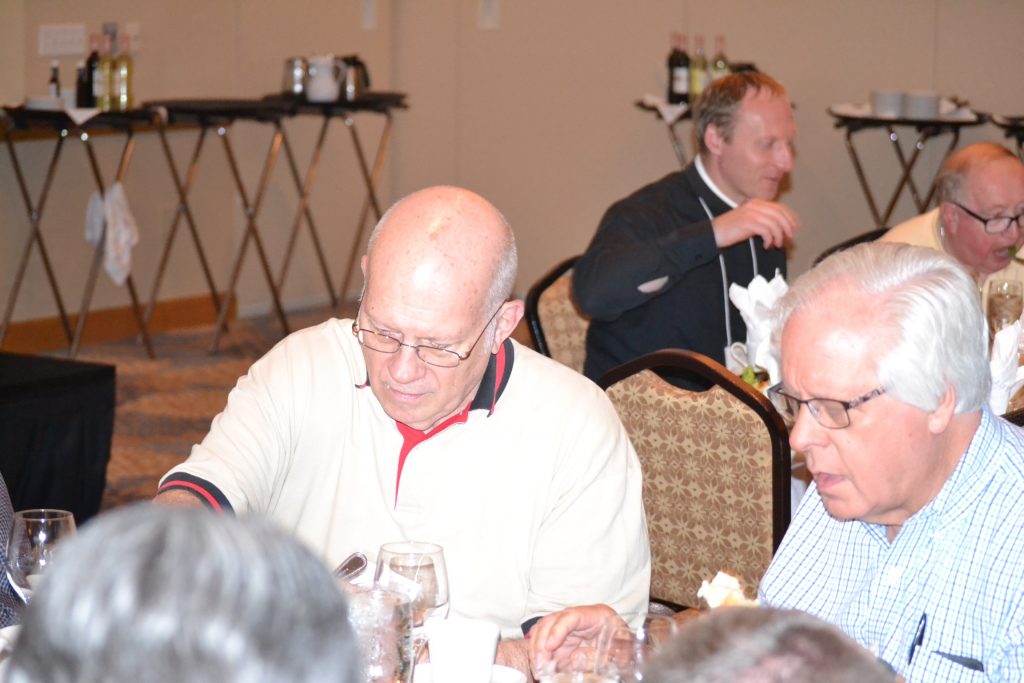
x=657, y=273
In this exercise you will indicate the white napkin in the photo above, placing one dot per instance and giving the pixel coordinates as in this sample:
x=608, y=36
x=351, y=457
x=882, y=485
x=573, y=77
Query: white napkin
x=755, y=303
x=670, y=113
x=122, y=232
x=81, y=114
x=1007, y=377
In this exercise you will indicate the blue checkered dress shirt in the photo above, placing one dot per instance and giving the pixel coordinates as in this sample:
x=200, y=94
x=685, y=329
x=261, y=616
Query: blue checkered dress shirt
x=959, y=560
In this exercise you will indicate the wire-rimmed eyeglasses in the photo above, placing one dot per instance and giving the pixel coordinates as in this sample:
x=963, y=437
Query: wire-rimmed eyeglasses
x=829, y=412
x=995, y=224
x=431, y=355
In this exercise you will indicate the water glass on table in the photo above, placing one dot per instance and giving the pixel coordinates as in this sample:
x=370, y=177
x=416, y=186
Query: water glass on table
x=417, y=570
x=627, y=642
x=382, y=621
x=1005, y=304
x=35, y=534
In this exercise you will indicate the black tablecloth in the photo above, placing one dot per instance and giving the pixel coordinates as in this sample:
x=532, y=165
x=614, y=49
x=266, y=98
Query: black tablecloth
x=56, y=424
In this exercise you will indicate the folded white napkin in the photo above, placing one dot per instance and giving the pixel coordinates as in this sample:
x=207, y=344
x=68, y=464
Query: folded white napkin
x=1007, y=376
x=670, y=113
x=81, y=114
x=122, y=232
x=755, y=303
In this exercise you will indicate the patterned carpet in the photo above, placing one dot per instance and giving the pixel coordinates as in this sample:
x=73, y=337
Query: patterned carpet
x=164, y=406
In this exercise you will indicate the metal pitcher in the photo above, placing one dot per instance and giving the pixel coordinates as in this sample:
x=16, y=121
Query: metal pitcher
x=294, y=76
x=357, y=78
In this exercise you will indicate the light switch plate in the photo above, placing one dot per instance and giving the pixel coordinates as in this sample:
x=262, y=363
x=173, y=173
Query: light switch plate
x=58, y=40
x=489, y=15
x=369, y=15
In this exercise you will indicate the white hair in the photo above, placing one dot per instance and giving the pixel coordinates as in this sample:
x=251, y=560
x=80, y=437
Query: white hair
x=154, y=594
x=929, y=326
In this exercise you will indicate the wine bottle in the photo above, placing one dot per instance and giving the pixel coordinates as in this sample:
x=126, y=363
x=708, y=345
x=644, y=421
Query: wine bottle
x=698, y=69
x=719, y=64
x=83, y=90
x=90, y=68
x=53, y=87
x=122, y=92
x=103, y=80
x=678, y=71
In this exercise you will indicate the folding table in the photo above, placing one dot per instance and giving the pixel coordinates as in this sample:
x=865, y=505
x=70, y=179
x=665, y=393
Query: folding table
x=852, y=120
x=24, y=124
x=673, y=137
x=219, y=114
x=1013, y=126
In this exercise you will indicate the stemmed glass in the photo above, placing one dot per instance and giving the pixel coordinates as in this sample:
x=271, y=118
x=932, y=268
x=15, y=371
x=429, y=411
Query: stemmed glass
x=1005, y=304
x=30, y=548
x=627, y=642
x=417, y=570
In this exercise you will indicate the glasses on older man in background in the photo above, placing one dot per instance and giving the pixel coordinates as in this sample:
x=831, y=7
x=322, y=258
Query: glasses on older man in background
x=829, y=412
x=431, y=355
x=995, y=224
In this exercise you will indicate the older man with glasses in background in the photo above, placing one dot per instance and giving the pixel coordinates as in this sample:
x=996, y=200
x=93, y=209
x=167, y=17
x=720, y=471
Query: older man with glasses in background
x=911, y=537
x=423, y=420
x=979, y=220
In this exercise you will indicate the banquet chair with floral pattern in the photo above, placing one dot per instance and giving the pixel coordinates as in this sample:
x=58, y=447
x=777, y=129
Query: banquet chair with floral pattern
x=557, y=328
x=716, y=472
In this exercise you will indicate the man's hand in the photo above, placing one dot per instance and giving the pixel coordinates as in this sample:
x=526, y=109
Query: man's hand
x=770, y=221
x=557, y=636
x=515, y=654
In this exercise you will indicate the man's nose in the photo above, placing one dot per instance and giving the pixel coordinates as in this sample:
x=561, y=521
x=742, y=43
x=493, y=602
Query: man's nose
x=405, y=365
x=806, y=431
x=784, y=158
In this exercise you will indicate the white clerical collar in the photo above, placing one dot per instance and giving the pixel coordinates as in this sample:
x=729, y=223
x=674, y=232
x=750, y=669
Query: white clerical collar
x=711, y=183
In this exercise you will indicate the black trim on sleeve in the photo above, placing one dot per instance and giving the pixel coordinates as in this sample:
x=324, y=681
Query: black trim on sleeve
x=205, y=491
x=529, y=624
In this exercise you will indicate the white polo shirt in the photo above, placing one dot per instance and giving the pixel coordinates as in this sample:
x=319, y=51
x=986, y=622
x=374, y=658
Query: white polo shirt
x=537, y=502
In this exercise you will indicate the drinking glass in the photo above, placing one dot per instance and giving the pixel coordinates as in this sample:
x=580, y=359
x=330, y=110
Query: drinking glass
x=627, y=642
x=34, y=536
x=1005, y=304
x=417, y=570
x=382, y=621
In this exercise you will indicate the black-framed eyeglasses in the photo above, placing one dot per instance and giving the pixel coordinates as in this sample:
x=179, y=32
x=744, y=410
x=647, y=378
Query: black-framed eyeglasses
x=996, y=224
x=431, y=355
x=829, y=412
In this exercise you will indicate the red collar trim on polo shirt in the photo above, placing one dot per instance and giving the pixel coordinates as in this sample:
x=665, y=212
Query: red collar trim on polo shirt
x=492, y=385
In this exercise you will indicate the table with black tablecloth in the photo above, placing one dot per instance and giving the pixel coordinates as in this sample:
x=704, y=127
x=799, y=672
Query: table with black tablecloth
x=56, y=424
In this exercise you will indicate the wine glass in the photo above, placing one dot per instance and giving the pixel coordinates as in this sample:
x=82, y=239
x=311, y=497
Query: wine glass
x=1005, y=304
x=627, y=642
x=417, y=570
x=34, y=536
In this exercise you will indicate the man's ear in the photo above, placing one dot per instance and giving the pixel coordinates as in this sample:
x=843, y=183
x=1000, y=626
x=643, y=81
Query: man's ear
x=713, y=139
x=940, y=418
x=948, y=216
x=508, y=318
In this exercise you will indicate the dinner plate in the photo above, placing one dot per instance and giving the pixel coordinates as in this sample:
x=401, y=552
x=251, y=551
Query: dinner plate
x=499, y=674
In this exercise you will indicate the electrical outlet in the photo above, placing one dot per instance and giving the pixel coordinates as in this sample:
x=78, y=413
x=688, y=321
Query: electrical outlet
x=58, y=40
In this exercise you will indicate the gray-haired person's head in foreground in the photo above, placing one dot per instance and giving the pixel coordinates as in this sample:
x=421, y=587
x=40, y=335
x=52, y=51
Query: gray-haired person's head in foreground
x=761, y=645
x=157, y=594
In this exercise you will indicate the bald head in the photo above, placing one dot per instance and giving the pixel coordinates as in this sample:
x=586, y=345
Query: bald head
x=448, y=241
x=957, y=170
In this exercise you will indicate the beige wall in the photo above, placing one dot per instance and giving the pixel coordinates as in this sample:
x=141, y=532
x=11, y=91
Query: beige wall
x=538, y=115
